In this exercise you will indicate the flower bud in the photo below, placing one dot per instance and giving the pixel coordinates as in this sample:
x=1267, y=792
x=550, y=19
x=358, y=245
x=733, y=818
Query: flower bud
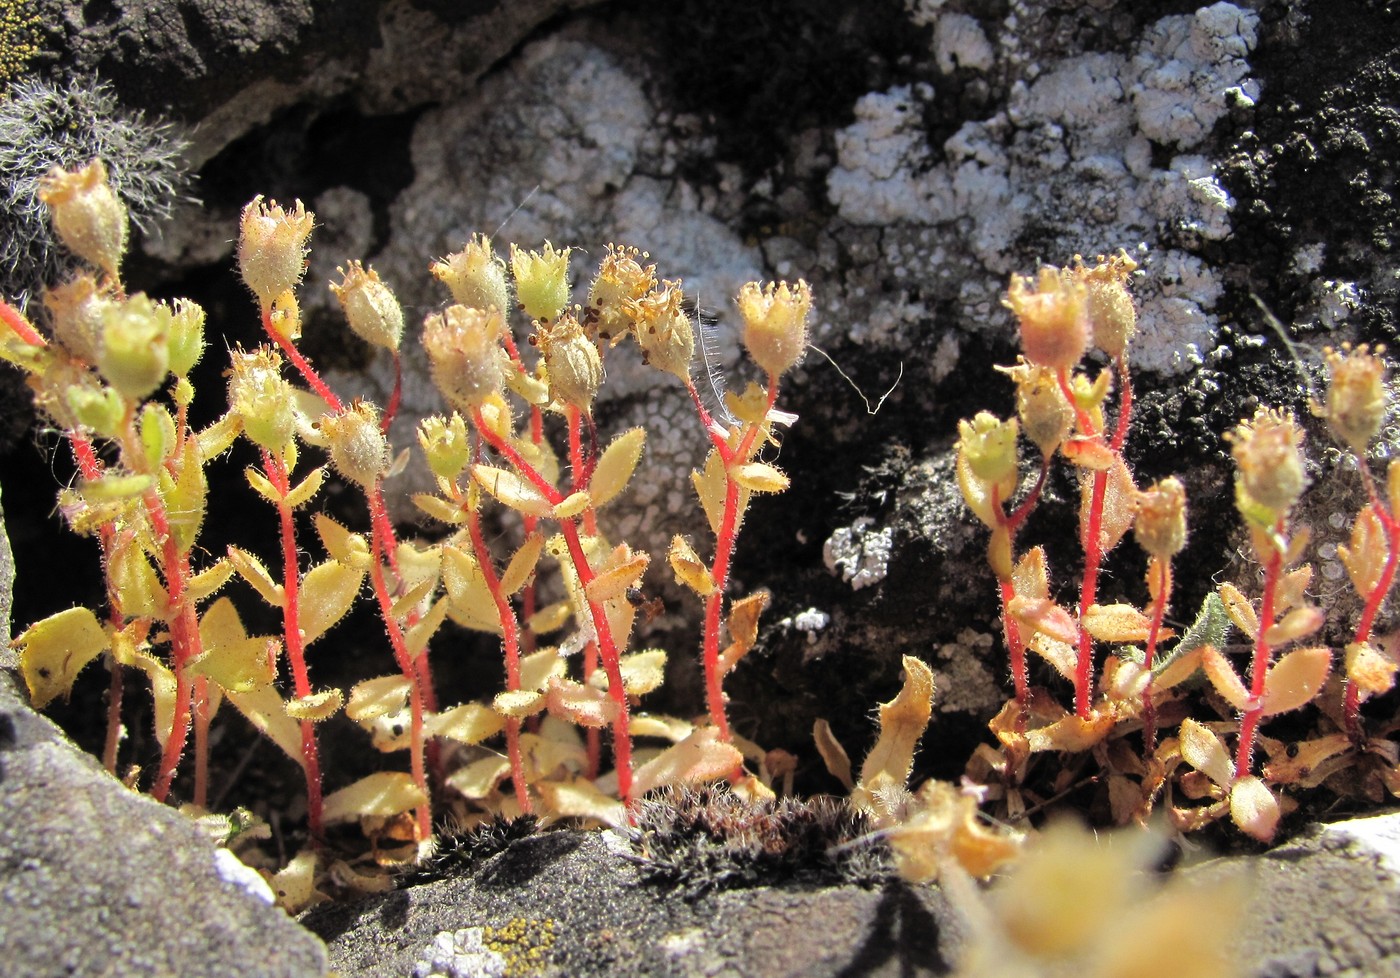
x=371, y=309
x=1356, y=399
x=88, y=217
x=186, y=336
x=1053, y=316
x=571, y=362
x=1160, y=526
x=359, y=450
x=775, y=323
x=1269, y=459
x=475, y=276
x=135, y=353
x=1112, y=317
x=75, y=311
x=989, y=446
x=262, y=398
x=463, y=347
x=664, y=331
x=272, y=248
x=541, y=280
x=622, y=282
x=445, y=444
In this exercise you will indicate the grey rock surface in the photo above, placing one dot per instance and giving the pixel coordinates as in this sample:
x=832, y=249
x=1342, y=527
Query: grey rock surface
x=585, y=910
x=98, y=880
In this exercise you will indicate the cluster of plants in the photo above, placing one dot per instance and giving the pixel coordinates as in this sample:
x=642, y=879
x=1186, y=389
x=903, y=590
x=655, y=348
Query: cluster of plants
x=1157, y=720
x=112, y=371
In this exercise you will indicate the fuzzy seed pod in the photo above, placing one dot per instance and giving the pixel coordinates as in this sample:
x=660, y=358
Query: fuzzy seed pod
x=572, y=363
x=622, y=282
x=359, y=450
x=1160, y=525
x=775, y=323
x=664, y=331
x=463, y=349
x=272, y=248
x=186, y=336
x=88, y=217
x=1112, y=317
x=262, y=399
x=1356, y=398
x=370, y=307
x=1054, y=318
x=475, y=276
x=75, y=310
x=134, y=356
x=989, y=446
x=1268, y=455
x=541, y=281
x=1046, y=417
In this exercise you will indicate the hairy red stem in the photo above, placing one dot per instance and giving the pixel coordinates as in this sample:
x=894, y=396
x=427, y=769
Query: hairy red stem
x=1263, y=654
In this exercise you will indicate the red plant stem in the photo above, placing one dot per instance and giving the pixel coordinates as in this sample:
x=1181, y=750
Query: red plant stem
x=607, y=648
x=1263, y=654
x=277, y=474
x=1088, y=595
x=298, y=361
x=379, y=518
x=1162, y=570
x=719, y=570
x=184, y=640
x=1351, y=698
x=510, y=642
x=602, y=628
x=14, y=319
x=1016, y=646
x=395, y=397
x=578, y=467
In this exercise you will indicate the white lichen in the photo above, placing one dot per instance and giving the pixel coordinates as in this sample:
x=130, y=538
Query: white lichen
x=460, y=953
x=860, y=555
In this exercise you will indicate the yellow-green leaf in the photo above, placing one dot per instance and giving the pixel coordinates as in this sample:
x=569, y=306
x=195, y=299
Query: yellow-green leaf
x=440, y=509
x=52, y=652
x=642, y=672
x=760, y=477
x=537, y=668
x=209, y=580
x=262, y=486
x=381, y=794
x=616, y=465
x=584, y=705
x=327, y=592
x=518, y=703
x=266, y=711
x=1223, y=677
x=135, y=581
x=699, y=758
x=1295, y=679
x=1254, y=808
x=480, y=778
x=902, y=722
x=377, y=697
x=1204, y=751
x=522, y=565
x=469, y=723
x=417, y=637
x=342, y=545
x=252, y=570
x=231, y=659
x=471, y=603
x=308, y=487
x=572, y=505
x=622, y=571
x=512, y=490
x=315, y=706
x=689, y=569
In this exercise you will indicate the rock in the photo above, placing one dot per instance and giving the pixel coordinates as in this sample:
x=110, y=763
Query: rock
x=98, y=880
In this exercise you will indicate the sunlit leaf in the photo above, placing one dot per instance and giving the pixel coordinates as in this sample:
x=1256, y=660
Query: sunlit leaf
x=760, y=477
x=700, y=758
x=512, y=490
x=438, y=508
x=519, y=703
x=1071, y=734
x=342, y=545
x=616, y=465
x=252, y=570
x=265, y=711
x=689, y=569
x=303, y=492
x=315, y=706
x=743, y=629
x=421, y=632
x=522, y=565
x=479, y=779
x=209, y=580
x=902, y=722
x=1206, y=752
x=1241, y=612
x=1223, y=677
x=470, y=596
x=1372, y=670
x=1119, y=623
x=1298, y=623
x=52, y=652
x=467, y=723
x=622, y=570
x=834, y=756
x=585, y=705
x=383, y=793
x=1046, y=617
x=642, y=672
x=377, y=697
x=1295, y=679
x=1254, y=808
x=327, y=592
x=579, y=798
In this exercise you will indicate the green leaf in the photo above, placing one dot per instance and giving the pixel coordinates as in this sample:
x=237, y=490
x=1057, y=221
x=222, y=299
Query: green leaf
x=1211, y=627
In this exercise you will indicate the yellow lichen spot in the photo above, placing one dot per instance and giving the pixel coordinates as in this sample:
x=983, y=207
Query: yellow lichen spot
x=524, y=943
